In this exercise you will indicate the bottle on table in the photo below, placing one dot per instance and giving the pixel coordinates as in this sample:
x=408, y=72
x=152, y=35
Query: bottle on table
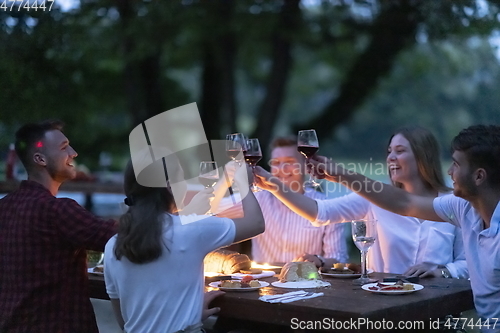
x=11, y=165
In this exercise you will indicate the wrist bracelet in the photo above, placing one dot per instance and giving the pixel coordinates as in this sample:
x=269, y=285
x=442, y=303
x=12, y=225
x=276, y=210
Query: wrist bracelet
x=445, y=273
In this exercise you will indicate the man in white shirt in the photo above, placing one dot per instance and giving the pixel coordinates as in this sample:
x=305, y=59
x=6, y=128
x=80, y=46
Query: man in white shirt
x=474, y=206
x=288, y=235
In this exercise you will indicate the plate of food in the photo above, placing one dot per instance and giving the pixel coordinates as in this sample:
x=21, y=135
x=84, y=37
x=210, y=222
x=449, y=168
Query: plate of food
x=97, y=270
x=392, y=288
x=238, y=285
x=300, y=274
x=345, y=271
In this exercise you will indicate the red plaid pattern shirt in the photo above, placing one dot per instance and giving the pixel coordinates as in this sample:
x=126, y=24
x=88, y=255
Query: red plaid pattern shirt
x=43, y=267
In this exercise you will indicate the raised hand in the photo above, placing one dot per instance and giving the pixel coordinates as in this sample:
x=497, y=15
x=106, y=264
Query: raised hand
x=200, y=203
x=324, y=168
x=265, y=180
x=230, y=170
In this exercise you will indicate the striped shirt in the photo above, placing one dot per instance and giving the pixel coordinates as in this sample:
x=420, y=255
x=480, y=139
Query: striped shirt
x=289, y=235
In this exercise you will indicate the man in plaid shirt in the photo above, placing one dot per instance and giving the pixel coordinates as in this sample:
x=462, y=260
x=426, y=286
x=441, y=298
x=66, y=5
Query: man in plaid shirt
x=43, y=241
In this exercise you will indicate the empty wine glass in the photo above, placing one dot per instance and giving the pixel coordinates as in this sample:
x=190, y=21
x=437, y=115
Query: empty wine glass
x=308, y=145
x=253, y=155
x=209, y=176
x=94, y=258
x=236, y=147
x=364, y=233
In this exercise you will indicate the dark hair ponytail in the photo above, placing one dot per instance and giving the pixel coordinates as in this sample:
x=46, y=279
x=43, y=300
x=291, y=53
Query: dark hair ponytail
x=140, y=229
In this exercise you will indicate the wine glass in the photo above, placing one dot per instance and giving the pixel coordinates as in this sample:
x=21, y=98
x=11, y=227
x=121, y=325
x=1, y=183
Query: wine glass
x=235, y=145
x=94, y=258
x=253, y=155
x=308, y=145
x=364, y=233
x=209, y=176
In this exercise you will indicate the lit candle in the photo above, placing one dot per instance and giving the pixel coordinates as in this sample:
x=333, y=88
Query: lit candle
x=264, y=266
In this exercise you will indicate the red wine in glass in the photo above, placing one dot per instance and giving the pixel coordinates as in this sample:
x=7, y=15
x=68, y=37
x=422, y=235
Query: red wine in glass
x=235, y=144
x=233, y=153
x=252, y=160
x=207, y=181
x=307, y=151
x=253, y=155
x=308, y=145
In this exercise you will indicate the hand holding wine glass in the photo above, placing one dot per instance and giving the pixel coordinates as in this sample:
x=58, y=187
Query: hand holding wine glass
x=364, y=234
x=253, y=155
x=209, y=175
x=308, y=145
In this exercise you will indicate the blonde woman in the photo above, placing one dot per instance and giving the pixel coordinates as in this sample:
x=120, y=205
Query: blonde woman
x=405, y=245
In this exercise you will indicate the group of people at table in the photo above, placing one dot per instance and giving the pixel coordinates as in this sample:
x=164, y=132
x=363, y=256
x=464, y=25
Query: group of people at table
x=154, y=253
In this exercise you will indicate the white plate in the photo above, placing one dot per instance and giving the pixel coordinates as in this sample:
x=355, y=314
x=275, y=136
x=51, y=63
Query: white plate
x=345, y=275
x=301, y=284
x=255, y=276
x=216, y=284
x=91, y=271
x=416, y=287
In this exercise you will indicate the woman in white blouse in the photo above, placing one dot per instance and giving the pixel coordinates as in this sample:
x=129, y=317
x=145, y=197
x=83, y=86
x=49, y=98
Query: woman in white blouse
x=405, y=245
x=154, y=265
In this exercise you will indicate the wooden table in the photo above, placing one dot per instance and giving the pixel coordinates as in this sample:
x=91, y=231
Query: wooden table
x=342, y=303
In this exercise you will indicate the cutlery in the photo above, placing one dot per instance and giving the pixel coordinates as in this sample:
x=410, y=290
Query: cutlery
x=286, y=298
x=290, y=294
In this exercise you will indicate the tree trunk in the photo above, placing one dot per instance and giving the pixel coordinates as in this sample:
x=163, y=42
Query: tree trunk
x=130, y=71
x=141, y=75
x=150, y=73
x=278, y=77
x=227, y=44
x=211, y=100
x=393, y=31
x=218, y=104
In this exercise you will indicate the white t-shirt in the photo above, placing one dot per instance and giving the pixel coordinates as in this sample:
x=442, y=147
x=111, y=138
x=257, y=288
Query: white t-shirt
x=402, y=241
x=482, y=250
x=166, y=295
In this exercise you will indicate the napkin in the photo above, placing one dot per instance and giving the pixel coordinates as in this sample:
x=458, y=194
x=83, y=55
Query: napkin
x=289, y=297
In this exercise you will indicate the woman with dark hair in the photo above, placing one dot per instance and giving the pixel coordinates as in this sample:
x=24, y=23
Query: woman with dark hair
x=154, y=265
x=404, y=244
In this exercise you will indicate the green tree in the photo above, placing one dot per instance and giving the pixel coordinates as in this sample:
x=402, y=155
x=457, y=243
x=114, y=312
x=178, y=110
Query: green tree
x=260, y=66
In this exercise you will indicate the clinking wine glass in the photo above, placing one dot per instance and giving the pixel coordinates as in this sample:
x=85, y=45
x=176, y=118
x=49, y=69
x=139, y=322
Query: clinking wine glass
x=308, y=145
x=209, y=176
x=236, y=147
x=253, y=155
x=364, y=234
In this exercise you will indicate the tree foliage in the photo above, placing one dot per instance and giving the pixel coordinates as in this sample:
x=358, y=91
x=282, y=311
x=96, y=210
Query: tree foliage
x=352, y=69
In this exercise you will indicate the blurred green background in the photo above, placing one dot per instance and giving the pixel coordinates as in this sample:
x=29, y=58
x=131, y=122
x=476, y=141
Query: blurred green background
x=353, y=70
